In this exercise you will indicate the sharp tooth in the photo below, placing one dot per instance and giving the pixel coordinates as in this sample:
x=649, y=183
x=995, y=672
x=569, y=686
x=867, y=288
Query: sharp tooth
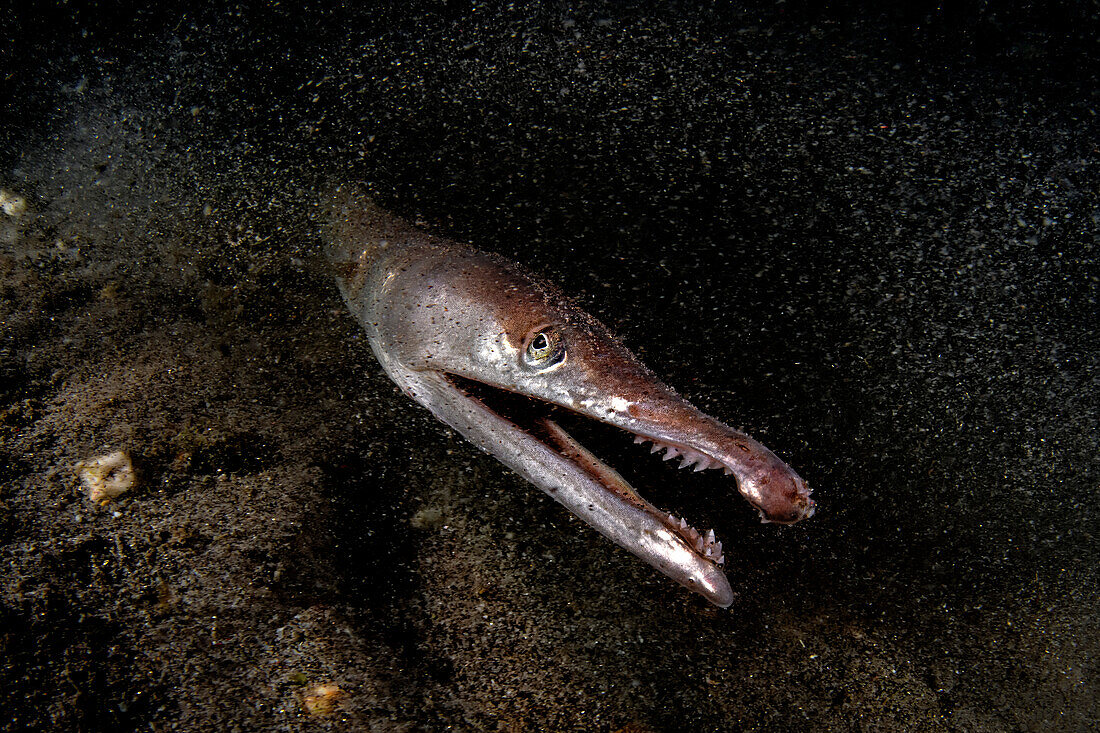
x=698, y=544
x=672, y=453
x=656, y=447
x=721, y=560
x=718, y=548
x=702, y=465
x=685, y=462
x=638, y=440
x=683, y=524
x=709, y=536
x=693, y=456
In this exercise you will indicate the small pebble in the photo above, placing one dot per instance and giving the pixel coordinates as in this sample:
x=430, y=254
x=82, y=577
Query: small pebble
x=107, y=477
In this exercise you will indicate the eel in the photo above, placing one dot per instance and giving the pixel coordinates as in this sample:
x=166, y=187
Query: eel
x=495, y=352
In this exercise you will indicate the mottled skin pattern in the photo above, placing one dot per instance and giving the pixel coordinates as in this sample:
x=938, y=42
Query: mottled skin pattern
x=434, y=310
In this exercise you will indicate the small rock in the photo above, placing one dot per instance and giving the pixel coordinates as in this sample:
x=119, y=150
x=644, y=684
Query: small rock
x=107, y=477
x=319, y=700
x=12, y=204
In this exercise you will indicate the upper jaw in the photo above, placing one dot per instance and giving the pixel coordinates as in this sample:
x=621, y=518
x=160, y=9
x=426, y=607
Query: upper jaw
x=698, y=441
x=779, y=494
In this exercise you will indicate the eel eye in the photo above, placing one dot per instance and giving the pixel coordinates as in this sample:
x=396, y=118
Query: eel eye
x=544, y=348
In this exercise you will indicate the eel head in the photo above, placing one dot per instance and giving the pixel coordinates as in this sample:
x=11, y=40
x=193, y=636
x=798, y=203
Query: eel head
x=498, y=353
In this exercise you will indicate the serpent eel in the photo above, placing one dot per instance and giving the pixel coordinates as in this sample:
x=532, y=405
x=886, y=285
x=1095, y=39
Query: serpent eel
x=493, y=351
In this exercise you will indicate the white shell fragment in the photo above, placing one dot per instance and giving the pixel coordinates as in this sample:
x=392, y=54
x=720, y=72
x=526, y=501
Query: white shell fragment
x=108, y=476
x=12, y=204
x=321, y=699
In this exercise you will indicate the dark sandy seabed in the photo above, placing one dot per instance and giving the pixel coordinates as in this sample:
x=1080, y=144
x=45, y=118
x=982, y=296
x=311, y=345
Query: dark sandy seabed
x=869, y=238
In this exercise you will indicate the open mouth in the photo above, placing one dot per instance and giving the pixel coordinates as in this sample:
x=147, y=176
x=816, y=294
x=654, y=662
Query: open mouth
x=541, y=420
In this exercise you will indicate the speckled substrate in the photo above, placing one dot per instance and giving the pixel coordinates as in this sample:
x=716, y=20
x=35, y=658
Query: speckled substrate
x=868, y=240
